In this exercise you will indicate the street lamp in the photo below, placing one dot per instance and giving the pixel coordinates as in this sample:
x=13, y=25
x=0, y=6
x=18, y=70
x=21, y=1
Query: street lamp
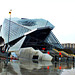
x=8, y=34
x=9, y=27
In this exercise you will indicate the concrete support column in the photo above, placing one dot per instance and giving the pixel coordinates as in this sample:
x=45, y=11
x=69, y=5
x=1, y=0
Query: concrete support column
x=64, y=45
x=70, y=45
x=73, y=45
x=67, y=45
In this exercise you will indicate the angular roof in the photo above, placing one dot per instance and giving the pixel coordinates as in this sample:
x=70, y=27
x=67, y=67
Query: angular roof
x=33, y=23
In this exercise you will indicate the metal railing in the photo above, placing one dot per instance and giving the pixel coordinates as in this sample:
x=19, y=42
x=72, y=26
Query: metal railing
x=70, y=55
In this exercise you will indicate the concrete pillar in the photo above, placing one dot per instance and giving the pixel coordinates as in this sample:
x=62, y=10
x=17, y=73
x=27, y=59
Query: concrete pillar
x=62, y=45
x=70, y=45
x=65, y=45
x=74, y=45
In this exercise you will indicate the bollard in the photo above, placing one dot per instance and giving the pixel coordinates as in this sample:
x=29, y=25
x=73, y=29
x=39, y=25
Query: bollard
x=73, y=65
x=73, y=59
x=55, y=58
x=55, y=64
x=67, y=58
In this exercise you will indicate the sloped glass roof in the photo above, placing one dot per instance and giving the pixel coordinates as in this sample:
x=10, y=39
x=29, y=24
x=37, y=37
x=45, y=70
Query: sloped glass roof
x=18, y=27
x=33, y=23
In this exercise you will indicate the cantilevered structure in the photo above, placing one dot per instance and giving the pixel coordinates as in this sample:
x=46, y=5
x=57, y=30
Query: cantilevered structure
x=36, y=33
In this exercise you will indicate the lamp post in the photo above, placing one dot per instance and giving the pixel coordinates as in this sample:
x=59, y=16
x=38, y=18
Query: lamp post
x=8, y=34
x=9, y=27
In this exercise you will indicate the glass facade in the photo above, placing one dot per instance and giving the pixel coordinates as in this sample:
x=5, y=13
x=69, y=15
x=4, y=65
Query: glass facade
x=51, y=39
x=16, y=30
x=42, y=36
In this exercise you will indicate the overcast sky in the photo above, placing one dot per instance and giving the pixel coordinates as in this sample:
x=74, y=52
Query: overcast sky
x=61, y=13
